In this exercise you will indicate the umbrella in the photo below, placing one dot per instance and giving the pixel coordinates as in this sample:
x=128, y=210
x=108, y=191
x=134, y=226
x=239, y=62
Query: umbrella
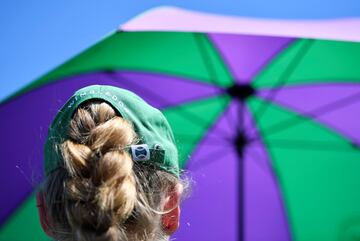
x=265, y=125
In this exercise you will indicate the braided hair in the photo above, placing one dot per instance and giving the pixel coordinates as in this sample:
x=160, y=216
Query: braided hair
x=100, y=193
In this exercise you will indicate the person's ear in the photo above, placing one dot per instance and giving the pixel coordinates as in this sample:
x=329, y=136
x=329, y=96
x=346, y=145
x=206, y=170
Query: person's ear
x=171, y=219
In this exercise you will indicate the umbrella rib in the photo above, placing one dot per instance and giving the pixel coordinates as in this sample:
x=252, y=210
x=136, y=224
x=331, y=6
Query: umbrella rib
x=230, y=120
x=256, y=157
x=196, y=119
x=283, y=78
x=228, y=117
x=241, y=124
x=318, y=82
x=170, y=105
x=208, y=159
x=216, y=139
x=210, y=67
x=313, y=114
x=308, y=144
x=272, y=56
x=206, y=58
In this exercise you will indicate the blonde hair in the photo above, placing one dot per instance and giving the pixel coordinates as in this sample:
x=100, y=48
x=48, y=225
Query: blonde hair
x=100, y=193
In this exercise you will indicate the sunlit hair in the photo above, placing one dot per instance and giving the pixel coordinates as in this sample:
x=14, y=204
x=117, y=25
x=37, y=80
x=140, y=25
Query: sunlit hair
x=100, y=194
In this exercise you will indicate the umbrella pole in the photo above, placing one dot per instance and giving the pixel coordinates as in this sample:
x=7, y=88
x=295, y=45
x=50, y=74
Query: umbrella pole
x=240, y=153
x=240, y=143
x=239, y=93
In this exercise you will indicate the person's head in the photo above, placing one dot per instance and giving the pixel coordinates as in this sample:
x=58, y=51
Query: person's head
x=111, y=170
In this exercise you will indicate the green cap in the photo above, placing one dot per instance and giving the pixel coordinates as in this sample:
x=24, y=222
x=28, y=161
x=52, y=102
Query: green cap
x=156, y=146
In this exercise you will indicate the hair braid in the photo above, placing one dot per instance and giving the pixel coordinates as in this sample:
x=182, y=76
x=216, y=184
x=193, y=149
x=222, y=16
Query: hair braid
x=97, y=195
x=100, y=191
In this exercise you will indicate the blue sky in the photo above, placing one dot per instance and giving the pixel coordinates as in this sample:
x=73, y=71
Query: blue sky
x=38, y=35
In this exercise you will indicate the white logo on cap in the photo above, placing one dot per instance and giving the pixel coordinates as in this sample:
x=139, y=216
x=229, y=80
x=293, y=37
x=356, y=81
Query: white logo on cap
x=140, y=152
